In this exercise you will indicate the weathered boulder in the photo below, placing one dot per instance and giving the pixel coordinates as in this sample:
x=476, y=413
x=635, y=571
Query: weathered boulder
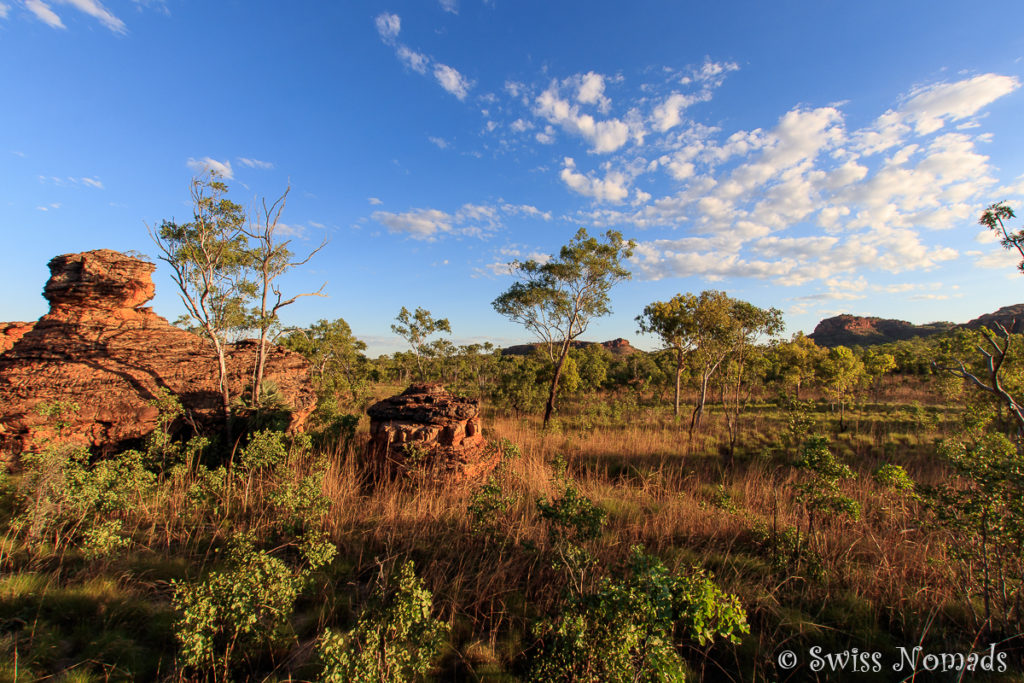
x=428, y=428
x=99, y=348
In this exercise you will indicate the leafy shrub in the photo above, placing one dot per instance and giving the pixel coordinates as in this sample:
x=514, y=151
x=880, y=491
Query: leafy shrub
x=61, y=495
x=264, y=451
x=893, y=477
x=820, y=493
x=984, y=515
x=392, y=642
x=300, y=504
x=103, y=539
x=631, y=627
x=234, y=613
x=786, y=553
x=573, y=516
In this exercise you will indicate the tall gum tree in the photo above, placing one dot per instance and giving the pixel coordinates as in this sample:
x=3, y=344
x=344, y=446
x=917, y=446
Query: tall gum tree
x=210, y=261
x=558, y=299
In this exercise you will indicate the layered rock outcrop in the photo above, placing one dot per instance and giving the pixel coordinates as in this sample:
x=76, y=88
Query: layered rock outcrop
x=100, y=348
x=855, y=330
x=12, y=332
x=427, y=428
x=1010, y=317
x=617, y=347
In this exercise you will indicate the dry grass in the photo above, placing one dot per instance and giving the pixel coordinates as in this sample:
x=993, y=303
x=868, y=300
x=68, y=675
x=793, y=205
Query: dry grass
x=883, y=579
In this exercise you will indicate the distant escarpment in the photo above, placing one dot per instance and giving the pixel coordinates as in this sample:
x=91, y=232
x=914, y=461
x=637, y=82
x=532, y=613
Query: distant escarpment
x=1010, y=317
x=855, y=330
x=617, y=347
x=100, y=349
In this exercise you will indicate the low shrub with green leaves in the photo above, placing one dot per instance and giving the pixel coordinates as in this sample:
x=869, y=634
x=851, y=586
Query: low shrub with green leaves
x=983, y=514
x=394, y=641
x=242, y=609
x=61, y=495
x=632, y=626
x=819, y=492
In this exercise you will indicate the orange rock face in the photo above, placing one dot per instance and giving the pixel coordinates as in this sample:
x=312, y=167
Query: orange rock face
x=426, y=427
x=12, y=332
x=100, y=348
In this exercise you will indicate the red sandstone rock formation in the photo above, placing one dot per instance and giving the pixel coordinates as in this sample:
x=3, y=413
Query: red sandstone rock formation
x=441, y=432
x=12, y=332
x=617, y=347
x=854, y=330
x=98, y=347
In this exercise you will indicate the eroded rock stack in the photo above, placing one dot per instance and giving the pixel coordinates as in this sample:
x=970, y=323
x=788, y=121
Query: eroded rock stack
x=427, y=428
x=100, y=348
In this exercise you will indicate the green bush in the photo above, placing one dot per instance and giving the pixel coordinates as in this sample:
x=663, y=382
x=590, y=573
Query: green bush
x=61, y=495
x=393, y=642
x=265, y=451
x=234, y=614
x=631, y=627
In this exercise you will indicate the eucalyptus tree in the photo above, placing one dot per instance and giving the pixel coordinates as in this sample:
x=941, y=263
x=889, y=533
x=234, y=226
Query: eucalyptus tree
x=415, y=328
x=557, y=300
x=333, y=352
x=210, y=262
x=699, y=328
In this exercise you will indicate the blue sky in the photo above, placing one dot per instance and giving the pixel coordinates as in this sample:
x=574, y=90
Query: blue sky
x=817, y=156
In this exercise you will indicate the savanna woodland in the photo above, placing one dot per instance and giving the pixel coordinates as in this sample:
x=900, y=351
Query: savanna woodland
x=684, y=514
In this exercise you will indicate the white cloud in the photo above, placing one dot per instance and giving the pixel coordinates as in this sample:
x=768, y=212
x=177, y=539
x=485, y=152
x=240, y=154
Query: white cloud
x=417, y=61
x=208, y=165
x=255, y=163
x=667, y=115
x=93, y=182
x=546, y=136
x=710, y=72
x=374, y=201
x=591, y=91
x=44, y=14
x=520, y=125
x=452, y=81
x=614, y=187
x=96, y=10
x=471, y=220
x=4, y=9
x=388, y=26
x=930, y=107
x=441, y=143
x=420, y=224
x=604, y=136
x=450, y=6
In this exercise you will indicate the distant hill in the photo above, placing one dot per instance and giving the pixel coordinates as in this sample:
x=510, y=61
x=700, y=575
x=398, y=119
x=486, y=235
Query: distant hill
x=618, y=347
x=1010, y=317
x=855, y=330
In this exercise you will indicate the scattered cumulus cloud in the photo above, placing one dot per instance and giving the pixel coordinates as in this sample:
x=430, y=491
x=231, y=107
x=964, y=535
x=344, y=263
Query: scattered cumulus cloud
x=614, y=187
x=44, y=14
x=388, y=26
x=416, y=61
x=209, y=165
x=374, y=201
x=450, y=6
x=470, y=220
x=452, y=81
x=255, y=163
x=93, y=8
